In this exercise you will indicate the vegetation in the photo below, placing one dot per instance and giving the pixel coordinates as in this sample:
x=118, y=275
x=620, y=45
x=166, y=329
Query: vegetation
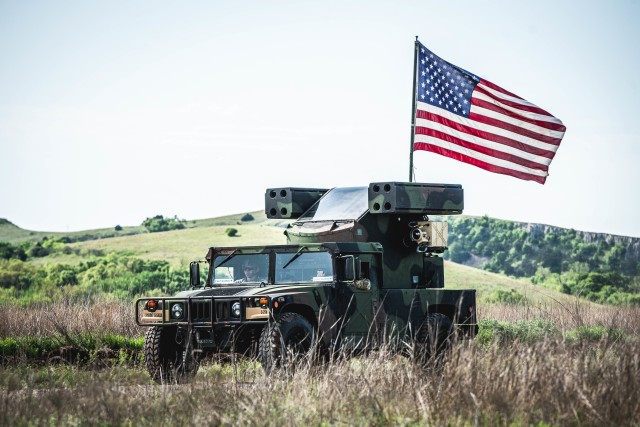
x=116, y=274
x=160, y=223
x=9, y=251
x=599, y=270
x=70, y=351
x=544, y=365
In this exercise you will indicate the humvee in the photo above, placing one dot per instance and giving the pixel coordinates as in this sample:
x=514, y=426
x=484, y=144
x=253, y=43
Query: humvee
x=360, y=269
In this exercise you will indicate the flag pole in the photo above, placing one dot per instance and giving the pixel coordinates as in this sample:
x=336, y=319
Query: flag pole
x=413, y=110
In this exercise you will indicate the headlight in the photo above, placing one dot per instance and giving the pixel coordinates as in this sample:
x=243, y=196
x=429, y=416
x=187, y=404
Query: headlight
x=177, y=311
x=235, y=309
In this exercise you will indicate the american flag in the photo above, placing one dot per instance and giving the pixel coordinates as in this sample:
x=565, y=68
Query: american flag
x=470, y=119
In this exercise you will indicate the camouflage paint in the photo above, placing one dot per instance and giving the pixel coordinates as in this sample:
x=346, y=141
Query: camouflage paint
x=290, y=203
x=403, y=285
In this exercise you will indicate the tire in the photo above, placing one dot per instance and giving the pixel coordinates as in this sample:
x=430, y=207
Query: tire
x=167, y=362
x=286, y=342
x=433, y=337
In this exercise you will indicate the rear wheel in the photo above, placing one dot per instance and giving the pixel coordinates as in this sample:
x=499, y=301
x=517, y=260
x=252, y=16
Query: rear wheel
x=433, y=337
x=166, y=361
x=286, y=342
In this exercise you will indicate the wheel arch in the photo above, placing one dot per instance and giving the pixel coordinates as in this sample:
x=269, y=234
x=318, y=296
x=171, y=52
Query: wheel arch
x=303, y=310
x=446, y=309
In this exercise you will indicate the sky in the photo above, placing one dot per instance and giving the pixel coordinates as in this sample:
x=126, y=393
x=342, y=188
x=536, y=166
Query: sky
x=112, y=112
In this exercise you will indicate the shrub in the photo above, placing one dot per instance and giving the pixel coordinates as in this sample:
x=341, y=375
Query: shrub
x=9, y=251
x=247, y=217
x=160, y=223
x=118, y=228
x=231, y=232
x=511, y=297
x=39, y=251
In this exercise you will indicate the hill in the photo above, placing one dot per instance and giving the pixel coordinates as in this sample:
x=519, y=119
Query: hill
x=11, y=233
x=94, y=261
x=518, y=248
x=600, y=267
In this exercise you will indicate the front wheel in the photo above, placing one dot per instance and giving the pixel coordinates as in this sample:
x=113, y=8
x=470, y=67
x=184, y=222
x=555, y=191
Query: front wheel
x=286, y=342
x=166, y=361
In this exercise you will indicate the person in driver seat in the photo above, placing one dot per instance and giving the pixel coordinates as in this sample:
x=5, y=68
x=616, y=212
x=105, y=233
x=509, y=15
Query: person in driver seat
x=252, y=272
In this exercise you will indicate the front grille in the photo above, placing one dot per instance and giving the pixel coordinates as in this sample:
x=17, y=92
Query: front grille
x=223, y=310
x=206, y=310
x=200, y=311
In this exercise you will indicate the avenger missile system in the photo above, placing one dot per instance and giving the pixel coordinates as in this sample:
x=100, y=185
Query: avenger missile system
x=360, y=269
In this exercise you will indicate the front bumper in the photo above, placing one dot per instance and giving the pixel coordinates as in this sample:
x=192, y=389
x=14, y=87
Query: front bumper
x=200, y=311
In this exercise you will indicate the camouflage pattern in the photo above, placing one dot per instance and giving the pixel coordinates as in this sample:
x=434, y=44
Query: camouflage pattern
x=344, y=312
x=415, y=198
x=290, y=203
x=404, y=266
x=358, y=277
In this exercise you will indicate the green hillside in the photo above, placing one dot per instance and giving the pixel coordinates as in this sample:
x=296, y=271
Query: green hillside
x=104, y=259
x=601, y=267
x=497, y=288
x=179, y=247
x=11, y=233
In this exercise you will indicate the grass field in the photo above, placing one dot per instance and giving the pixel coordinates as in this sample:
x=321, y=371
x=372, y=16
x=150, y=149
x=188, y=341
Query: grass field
x=564, y=373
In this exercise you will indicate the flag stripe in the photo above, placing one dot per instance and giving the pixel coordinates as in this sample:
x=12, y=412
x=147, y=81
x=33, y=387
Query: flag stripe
x=497, y=88
x=482, y=146
x=479, y=156
x=516, y=101
x=522, y=111
x=543, y=159
x=479, y=163
x=491, y=133
x=507, y=103
x=539, y=126
x=499, y=123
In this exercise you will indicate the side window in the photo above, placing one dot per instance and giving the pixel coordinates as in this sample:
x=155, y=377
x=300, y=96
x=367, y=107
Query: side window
x=364, y=270
x=368, y=270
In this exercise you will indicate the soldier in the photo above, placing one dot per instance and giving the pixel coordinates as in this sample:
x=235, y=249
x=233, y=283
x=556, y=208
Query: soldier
x=252, y=272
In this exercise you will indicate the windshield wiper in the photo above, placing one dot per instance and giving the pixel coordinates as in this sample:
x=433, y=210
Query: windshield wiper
x=293, y=258
x=231, y=255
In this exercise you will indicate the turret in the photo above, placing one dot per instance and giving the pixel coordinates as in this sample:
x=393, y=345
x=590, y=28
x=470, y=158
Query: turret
x=394, y=214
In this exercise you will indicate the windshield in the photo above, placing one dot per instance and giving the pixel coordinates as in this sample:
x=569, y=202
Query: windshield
x=339, y=204
x=304, y=267
x=252, y=268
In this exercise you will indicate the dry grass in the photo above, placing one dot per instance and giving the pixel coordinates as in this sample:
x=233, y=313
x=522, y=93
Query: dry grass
x=99, y=316
x=553, y=381
x=568, y=315
x=547, y=382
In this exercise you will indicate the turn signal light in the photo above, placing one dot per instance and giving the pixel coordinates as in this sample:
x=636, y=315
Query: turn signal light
x=151, y=305
x=263, y=301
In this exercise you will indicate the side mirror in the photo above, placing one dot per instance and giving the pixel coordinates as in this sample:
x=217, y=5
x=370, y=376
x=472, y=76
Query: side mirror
x=194, y=274
x=346, y=268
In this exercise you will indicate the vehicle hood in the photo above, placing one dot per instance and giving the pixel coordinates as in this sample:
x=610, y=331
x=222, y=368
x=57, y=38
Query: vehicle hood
x=247, y=291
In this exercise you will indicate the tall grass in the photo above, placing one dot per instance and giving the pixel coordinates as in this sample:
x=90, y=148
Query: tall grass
x=95, y=316
x=516, y=384
x=560, y=377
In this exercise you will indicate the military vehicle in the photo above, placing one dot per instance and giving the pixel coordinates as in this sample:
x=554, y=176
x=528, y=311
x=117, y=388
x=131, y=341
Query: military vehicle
x=360, y=270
